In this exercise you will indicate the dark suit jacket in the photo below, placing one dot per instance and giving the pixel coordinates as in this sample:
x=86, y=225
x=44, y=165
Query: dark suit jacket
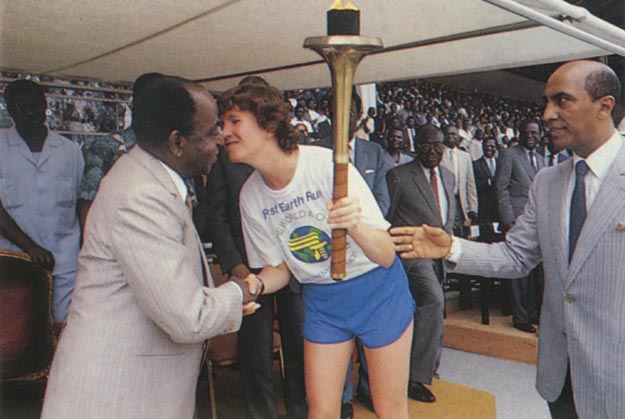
x=413, y=203
x=486, y=197
x=412, y=199
x=512, y=182
x=372, y=162
x=221, y=204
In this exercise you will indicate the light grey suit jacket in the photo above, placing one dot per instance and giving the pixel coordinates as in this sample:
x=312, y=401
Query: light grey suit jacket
x=513, y=179
x=583, y=314
x=465, y=179
x=133, y=342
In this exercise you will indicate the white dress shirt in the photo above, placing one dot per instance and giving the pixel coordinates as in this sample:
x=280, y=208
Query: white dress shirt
x=599, y=163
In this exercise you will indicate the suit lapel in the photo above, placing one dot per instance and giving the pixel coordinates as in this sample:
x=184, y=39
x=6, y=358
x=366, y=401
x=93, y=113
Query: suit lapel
x=154, y=166
x=609, y=201
x=559, y=236
x=361, y=159
x=423, y=186
x=525, y=161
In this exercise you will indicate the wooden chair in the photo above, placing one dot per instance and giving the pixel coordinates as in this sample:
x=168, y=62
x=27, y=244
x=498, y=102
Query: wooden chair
x=26, y=338
x=223, y=350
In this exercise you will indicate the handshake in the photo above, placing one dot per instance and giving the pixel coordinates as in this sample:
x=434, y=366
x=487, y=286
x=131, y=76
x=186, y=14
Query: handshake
x=251, y=286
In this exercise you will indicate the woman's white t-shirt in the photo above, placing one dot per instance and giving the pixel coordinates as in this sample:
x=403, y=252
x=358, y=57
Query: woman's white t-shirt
x=291, y=224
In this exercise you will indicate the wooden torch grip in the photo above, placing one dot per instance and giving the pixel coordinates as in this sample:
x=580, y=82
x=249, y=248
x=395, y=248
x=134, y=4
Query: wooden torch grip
x=339, y=235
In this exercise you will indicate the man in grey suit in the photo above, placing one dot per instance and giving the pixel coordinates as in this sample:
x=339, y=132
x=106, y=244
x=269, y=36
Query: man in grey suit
x=145, y=301
x=574, y=223
x=513, y=178
x=422, y=193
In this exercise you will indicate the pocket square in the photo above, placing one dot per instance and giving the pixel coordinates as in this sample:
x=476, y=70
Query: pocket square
x=367, y=171
x=620, y=226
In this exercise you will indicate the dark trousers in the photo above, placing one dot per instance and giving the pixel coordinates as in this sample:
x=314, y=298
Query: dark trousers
x=424, y=278
x=527, y=296
x=564, y=406
x=256, y=357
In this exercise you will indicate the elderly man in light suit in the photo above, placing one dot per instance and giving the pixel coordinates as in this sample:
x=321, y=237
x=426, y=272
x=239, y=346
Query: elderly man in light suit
x=144, y=301
x=575, y=223
x=460, y=164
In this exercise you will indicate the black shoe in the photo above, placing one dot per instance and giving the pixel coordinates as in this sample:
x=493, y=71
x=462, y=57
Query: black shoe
x=420, y=393
x=365, y=400
x=347, y=411
x=525, y=327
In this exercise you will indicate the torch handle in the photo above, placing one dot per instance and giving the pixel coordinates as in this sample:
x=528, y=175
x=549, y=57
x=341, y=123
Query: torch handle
x=339, y=235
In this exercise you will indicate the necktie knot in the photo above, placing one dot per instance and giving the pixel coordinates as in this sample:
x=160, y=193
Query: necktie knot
x=581, y=168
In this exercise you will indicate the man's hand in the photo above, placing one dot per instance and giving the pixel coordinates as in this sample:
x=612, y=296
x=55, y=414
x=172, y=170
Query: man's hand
x=41, y=256
x=421, y=242
x=240, y=271
x=250, y=287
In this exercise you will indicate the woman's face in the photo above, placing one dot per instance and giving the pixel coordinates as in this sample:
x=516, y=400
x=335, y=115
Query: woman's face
x=243, y=137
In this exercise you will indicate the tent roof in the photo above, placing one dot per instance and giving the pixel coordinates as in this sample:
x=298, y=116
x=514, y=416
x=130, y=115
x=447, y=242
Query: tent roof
x=117, y=40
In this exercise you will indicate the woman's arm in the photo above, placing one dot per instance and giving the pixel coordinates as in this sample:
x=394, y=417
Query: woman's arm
x=375, y=243
x=272, y=278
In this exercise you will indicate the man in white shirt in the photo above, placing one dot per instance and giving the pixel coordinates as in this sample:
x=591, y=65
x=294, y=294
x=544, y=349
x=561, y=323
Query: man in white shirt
x=574, y=223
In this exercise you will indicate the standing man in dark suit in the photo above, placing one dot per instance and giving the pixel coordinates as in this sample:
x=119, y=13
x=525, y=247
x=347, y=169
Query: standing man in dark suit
x=485, y=169
x=575, y=224
x=517, y=168
x=422, y=192
x=550, y=154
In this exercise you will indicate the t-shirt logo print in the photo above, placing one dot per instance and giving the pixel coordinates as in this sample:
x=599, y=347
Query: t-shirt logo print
x=309, y=244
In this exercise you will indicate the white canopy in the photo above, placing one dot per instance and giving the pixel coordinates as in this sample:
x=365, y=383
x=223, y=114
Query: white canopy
x=219, y=40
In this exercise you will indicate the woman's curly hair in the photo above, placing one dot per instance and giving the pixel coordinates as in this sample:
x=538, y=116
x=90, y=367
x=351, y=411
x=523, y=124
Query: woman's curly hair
x=271, y=111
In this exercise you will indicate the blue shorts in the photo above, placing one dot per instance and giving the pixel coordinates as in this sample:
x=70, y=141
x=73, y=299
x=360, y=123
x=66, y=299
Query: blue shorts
x=376, y=307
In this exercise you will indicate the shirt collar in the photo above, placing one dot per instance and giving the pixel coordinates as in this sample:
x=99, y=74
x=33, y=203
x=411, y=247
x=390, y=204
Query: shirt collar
x=602, y=158
x=181, y=187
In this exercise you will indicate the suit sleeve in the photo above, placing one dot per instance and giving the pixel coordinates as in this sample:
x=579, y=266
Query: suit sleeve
x=513, y=258
x=218, y=224
x=147, y=240
x=502, y=188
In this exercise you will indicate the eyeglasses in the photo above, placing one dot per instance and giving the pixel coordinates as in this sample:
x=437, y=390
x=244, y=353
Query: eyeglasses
x=427, y=147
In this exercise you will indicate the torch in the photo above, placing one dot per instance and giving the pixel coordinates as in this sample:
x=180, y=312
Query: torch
x=343, y=49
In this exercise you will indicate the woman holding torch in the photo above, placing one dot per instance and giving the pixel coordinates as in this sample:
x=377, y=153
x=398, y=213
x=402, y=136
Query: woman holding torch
x=287, y=217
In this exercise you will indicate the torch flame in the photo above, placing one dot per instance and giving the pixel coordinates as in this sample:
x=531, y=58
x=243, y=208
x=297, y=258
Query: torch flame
x=338, y=5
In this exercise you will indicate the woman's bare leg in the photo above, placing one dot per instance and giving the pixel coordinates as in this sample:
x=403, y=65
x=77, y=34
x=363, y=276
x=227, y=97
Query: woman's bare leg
x=389, y=368
x=325, y=366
